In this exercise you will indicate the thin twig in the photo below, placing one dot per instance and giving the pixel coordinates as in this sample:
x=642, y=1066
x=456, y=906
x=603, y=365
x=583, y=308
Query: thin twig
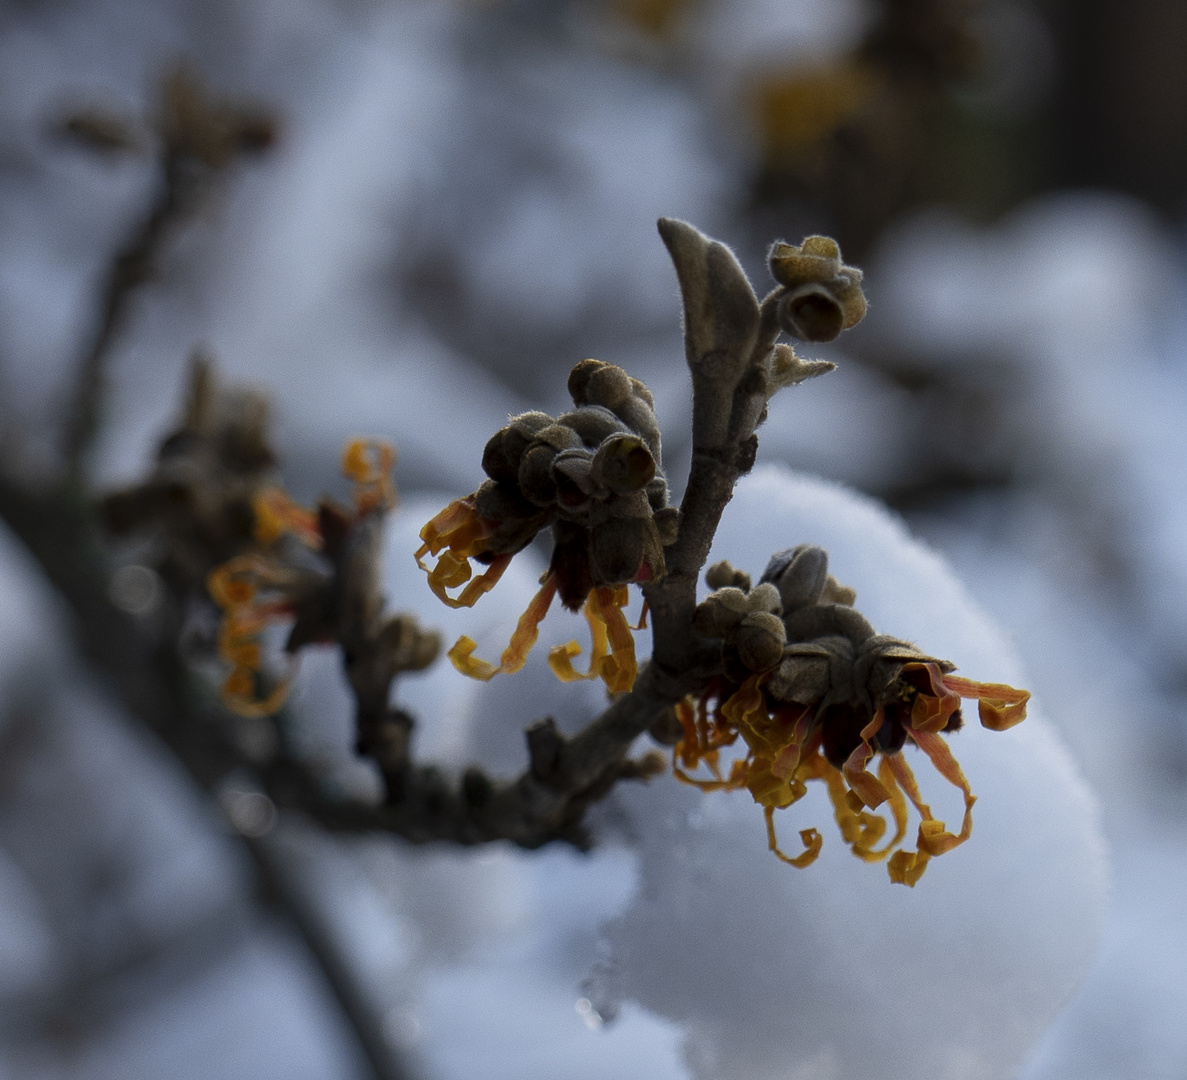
x=132, y=266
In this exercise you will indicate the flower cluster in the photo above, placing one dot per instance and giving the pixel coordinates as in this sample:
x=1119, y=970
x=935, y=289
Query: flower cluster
x=595, y=476
x=319, y=570
x=815, y=694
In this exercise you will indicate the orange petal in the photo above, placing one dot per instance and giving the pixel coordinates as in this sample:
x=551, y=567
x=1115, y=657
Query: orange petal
x=932, y=836
x=932, y=711
x=450, y=572
x=245, y=705
x=868, y=788
x=788, y=759
x=620, y=667
x=999, y=706
x=462, y=657
x=642, y=623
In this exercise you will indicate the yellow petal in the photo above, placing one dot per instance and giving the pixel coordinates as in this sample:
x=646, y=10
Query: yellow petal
x=462, y=657
x=906, y=867
x=811, y=839
x=868, y=788
x=527, y=631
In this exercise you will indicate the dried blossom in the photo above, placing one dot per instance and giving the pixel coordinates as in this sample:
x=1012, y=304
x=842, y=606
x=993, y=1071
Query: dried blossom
x=837, y=695
x=595, y=476
x=319, y=570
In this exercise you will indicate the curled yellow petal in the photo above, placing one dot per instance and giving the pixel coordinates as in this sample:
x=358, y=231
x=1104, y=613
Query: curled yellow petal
x=868, y=788
x=788, y=758
x=933, y=838
x=1000, y=706
x=455, y=535
x=527, y=631
x=238, y=695
x=898, y=805
x=811, y=839
x=906, y=867
x=612, y=650
x=619, y=669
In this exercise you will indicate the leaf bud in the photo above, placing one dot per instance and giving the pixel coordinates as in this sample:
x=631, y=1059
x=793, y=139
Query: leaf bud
x=799, y=573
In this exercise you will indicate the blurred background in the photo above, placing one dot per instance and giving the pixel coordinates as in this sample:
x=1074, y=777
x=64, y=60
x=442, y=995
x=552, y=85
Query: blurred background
x=459, y=204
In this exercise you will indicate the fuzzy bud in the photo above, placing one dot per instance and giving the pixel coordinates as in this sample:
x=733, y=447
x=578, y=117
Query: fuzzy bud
x=505, y=449
x=824, y=296
x=722, y=575
x=800, y=574
x=535, y=475
x=759, y=639
x=617, y=548
x=623, y=464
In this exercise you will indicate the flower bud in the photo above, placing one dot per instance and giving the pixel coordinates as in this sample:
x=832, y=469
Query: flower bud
x=623, y=464
x=824, y=296
x=722, y=575
x=765, y=597
x=811, y=313
x=818, y=258
x=594, y=382
x=800, y=574
x=559, y=437
x=571, y=471
x=594, y=423
x=720, y=612
x=616, y=550
x=667, y=525
x=759, y=639
x=803, y=677
x=505, y=449
x=535, y=475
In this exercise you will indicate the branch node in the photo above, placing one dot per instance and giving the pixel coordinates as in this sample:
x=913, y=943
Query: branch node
x=545, y=744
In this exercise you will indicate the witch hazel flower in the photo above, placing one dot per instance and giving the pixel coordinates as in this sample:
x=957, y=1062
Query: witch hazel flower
x=317, y=570
x=594, y=475
x=816, y=694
